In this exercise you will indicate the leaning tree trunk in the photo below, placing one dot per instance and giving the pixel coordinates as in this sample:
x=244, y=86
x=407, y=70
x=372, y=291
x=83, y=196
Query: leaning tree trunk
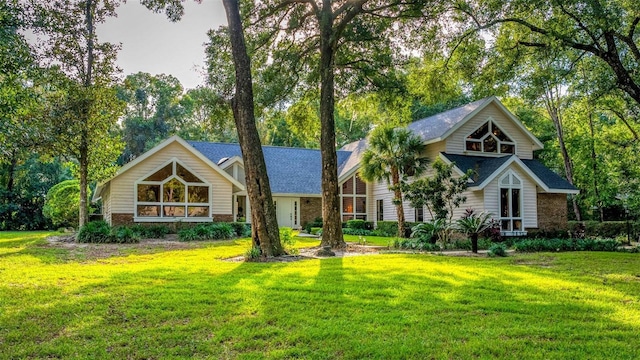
x=554, y=113
x=397, y=193
x=332, y=222
x=263, y=212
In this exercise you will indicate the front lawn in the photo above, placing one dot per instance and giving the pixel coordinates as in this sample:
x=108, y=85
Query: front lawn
x=188, y=303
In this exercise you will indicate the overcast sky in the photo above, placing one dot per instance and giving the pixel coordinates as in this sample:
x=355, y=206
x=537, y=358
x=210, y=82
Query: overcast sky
x=153, y=44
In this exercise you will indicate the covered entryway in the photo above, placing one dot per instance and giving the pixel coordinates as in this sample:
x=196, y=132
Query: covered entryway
x=288, y=211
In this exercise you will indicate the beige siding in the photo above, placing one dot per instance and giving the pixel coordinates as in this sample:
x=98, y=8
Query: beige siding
x=529, y=197
x=455, y=143
x=106, y=203
x=122, y=187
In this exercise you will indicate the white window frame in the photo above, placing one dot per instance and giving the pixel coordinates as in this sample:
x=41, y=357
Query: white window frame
x=162, y=203
x=499, y=142
x=354, y=197
x=511, y=231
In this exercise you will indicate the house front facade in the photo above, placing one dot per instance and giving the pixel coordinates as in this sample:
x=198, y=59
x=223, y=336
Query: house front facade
x=190, y=181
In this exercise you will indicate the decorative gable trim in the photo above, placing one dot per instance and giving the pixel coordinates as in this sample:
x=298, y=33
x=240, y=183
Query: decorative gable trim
x=537, y=144
x=97, y=194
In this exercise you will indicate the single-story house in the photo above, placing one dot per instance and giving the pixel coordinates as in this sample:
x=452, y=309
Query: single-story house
x=191, y=181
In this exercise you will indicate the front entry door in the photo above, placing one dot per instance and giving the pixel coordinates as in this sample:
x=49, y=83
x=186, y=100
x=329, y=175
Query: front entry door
x=288, y=212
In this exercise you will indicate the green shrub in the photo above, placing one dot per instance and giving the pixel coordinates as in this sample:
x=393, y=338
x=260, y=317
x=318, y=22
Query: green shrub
x=359, y=224
x=531, y=245
x=286, y=236
x=241, y=229
x=95, y=232
x=62, y=204
x=252, y=254
x=390, y=228
x=315, y=231
x=415, y=244
x=465, y=244
x=498, y=249
x=151, y=231
x=124, y=235
x=606, y=229
x=212, y=231
x=361, y=232
x=317, y=222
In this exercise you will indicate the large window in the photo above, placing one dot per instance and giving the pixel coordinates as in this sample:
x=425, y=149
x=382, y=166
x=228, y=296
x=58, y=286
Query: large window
x=173, y=192
x=510, y=202
x=489, y=138
x=353, y=194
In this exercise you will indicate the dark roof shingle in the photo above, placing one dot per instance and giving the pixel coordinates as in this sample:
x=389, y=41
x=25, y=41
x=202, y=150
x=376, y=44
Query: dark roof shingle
x=290, y=170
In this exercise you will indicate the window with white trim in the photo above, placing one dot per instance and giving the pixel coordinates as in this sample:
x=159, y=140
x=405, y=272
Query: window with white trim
x=419, y=214
x=510, y=202
x=173, y=191
x=489, y=138
x=353, y=196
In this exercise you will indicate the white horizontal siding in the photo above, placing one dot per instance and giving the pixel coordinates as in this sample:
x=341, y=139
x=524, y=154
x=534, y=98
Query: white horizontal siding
x=455, y=143
x=123, y=192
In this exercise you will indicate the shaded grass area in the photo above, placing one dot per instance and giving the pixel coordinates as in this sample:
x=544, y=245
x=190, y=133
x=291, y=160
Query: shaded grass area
x=188, y=303
x=370, y=240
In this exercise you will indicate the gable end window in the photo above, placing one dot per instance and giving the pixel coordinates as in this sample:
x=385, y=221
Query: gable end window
x=353, y=196
x=510, y=203
x=173, y=192
x=489, y=138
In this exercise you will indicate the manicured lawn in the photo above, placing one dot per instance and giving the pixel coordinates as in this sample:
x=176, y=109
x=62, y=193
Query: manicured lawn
x=188, y=303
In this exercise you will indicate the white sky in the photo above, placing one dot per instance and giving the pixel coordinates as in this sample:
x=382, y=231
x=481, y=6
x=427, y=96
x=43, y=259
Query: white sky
x=151, y=43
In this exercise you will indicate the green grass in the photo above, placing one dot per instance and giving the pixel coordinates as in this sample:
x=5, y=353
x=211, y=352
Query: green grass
x=56, y=303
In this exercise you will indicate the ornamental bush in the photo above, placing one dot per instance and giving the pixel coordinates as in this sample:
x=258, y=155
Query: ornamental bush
x=62, y=204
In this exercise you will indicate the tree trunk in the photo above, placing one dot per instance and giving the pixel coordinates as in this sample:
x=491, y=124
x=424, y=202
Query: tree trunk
x=332, y=221
x=554, y=112
x=474, y=243
x=87, y=103
x=397, y=193
x=263, y=212
x=84, y=170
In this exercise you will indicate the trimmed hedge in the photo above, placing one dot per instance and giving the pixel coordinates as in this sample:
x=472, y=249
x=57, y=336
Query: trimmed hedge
x=359, y=224
x=534, y=245
x=606, y=229
x=317, y=223
x=390, y=228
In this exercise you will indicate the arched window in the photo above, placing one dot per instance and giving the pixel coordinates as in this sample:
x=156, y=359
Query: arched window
x=489, y=138
x=510, y=202
x=353, y=194
x=173, y=191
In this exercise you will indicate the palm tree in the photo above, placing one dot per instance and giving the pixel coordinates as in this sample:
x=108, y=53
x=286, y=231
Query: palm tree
x=473, y=224
x=393, y=154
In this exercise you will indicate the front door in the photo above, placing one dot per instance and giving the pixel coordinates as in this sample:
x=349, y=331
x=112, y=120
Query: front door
x=288, y=212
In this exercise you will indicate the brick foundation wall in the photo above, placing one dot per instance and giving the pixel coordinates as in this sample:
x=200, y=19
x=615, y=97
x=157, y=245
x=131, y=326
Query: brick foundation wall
x=310, y=209
x=222, y=217
x=121, y=219
x=552, y=212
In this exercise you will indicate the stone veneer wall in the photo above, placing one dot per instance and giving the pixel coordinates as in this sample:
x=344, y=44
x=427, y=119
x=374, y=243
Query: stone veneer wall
x=310, y=209
x=552, y=212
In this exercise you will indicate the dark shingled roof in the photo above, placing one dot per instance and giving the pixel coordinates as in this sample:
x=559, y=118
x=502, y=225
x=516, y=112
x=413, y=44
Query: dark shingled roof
x=483, y=167
x=290, y=170
x=551, y=179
